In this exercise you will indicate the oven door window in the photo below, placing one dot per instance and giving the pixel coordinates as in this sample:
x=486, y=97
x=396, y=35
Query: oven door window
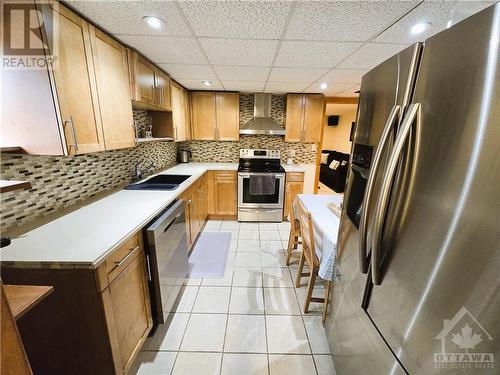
x=270, y=199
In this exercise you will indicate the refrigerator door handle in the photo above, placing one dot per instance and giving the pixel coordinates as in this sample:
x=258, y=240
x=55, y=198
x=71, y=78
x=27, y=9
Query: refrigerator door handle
x=388, y=127
x=412, y=114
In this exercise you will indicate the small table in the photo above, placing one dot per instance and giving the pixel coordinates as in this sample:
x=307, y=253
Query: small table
x=325, y=226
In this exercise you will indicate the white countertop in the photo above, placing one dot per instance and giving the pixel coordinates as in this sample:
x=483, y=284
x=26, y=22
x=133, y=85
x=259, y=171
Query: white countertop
x=86, y=236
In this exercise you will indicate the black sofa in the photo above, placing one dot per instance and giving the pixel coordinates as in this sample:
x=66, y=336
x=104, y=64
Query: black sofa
x=334, y=178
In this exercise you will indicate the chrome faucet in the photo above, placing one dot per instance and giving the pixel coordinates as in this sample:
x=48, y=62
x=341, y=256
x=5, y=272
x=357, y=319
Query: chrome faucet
x=140, y=171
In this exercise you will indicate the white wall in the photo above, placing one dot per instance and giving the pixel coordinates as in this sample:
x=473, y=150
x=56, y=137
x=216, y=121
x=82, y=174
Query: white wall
x=337, y=137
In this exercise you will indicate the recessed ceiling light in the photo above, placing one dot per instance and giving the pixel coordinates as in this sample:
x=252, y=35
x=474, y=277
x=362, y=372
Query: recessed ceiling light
x=207, y=83
x=420, y=27
x=152, y=21
x=323, y=86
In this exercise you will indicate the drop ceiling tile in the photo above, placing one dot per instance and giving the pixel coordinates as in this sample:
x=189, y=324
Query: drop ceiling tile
x=185, y=71
x=370, y=55
x=239, y=51
x=161, y=49
x=284, y=87
x=244, y=86
x=241, y=73
x=231, y=19
x=438, y=13
x=195, y=84
x=344, y=76
x=125, y=17
x=344, y=20
x=296, y=74
x=330, y=90
x=351, y=92
x=313, y=54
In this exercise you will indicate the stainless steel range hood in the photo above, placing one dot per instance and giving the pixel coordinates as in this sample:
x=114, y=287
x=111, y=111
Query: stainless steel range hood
x=262, y=123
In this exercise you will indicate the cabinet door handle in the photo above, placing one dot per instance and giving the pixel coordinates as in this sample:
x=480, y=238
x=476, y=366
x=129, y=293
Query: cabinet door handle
x=153, y=90
x=175, y=134
x=120, y=262
x=73, y=132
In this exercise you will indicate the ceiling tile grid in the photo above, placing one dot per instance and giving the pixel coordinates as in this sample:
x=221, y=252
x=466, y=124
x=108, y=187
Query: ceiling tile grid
x=273, y=46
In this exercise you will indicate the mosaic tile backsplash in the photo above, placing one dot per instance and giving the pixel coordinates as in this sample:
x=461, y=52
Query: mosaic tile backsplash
x=61, y=181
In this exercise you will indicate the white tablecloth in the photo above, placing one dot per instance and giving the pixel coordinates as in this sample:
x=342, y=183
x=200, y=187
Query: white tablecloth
x=325, y=226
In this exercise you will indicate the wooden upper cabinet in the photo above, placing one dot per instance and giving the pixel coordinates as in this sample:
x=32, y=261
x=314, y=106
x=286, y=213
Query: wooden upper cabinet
x=163, y=95
x=110, y=61
x=203, y=115
x=187, y=110
x=215, y=116
x=228, y=116
x=294, y=117
x=150, y=87
x=144, y=81
x=305, y=115
x=180, y=113
x=314, y=117
x=74, y=83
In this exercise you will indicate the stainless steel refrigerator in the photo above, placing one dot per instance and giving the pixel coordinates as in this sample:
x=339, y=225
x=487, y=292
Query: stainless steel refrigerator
x=417, y=281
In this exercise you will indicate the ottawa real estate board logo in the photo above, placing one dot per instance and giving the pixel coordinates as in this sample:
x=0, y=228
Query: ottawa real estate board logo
x=29, y=34
x=465, y=344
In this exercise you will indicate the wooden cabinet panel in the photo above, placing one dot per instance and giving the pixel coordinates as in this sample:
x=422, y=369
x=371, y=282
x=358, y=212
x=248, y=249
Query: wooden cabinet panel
x=144, y=81
x=180, y=113
x=228, y=116
x=122, y=256
x=76, y=91
x=294, y=117
x=187, y=109
x=128, y=311
x=304, y=117
x=294, y=185
x=162, y=83
x=225, y=193
x=314, y=117
x=110, y=61
x=203, y=115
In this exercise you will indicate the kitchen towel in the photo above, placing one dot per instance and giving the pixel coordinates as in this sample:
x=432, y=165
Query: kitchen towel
x=262, y=184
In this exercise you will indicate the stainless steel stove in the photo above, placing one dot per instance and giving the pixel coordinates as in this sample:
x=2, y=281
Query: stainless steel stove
x=261, y=185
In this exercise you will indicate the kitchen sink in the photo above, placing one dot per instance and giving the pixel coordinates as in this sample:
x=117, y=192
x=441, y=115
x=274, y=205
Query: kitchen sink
x=160, y=182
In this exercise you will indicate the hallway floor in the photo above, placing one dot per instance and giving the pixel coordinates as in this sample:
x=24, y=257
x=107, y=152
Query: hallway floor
x=250, y=321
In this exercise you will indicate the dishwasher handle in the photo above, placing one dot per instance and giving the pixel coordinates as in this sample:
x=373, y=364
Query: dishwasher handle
x=168, y=217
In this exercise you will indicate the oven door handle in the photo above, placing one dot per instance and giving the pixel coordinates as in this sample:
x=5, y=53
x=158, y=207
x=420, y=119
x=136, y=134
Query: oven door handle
x=248, y=174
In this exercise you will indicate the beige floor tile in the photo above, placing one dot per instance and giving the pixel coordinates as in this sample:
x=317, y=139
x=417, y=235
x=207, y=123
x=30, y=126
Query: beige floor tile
x=286, y=335
x=285, y=225
x=324, y=365
x=249, y=245
x=188, y=281
x=246, y=334
x=212, y=299
x=291, y=365
x=272, y=246
x=278, y=277
x=248, y=234
x=204, y=332
x=281, y=301
x=284, y=234
x=316, y=333
x=269, y=235
x=230, y=224
x=234, y=233
x=268, y=226
x=153, y=363
x=247, y=259
x=226, y=280
x=247, y=277
x=315, y=308
x=168, y=336
x=273, y=260
x=233, y=246
x=213, y=224
x=249, y=226
x=182, y=301
x=197, y=364
x=246, y=301
x=244, y=364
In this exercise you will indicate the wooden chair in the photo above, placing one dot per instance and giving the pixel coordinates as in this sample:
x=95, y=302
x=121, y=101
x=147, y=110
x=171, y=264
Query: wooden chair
x=309, y=255
x=294, y=238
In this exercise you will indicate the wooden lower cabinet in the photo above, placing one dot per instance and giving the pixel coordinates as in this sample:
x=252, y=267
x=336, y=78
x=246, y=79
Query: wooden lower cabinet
x=225, y=193
x=95, y=321
x=196, y=208
x=294, y=184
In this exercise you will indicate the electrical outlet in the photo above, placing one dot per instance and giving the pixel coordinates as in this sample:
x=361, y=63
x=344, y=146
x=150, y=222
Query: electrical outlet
x=314, y=147
x=292, y=153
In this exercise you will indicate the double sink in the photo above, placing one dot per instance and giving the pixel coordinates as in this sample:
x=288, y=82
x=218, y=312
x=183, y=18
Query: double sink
x=159, y=182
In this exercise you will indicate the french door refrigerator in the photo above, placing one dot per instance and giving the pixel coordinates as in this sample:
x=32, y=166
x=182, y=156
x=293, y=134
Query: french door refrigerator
x=417, y=283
